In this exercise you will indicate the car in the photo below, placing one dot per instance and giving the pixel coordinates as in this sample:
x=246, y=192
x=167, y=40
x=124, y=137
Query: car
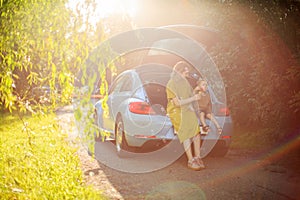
x=134, y=112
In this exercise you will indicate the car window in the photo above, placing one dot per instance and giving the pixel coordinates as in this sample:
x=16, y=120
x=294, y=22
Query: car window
x=121, y=84
x=140, y=93
x=127, y=84
x=116, y=85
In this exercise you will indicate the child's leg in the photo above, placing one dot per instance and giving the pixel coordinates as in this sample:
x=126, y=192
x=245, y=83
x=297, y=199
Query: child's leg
x=213, y=119
x=202, y=118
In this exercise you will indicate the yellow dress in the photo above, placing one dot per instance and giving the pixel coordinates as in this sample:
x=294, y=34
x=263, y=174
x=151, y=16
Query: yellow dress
x=183, y=117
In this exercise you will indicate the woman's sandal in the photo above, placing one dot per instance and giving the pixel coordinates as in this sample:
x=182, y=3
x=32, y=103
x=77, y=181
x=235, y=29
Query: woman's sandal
x=194, y=164
x=200, y=162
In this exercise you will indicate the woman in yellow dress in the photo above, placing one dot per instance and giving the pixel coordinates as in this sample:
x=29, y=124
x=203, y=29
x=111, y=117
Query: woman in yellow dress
x=182, y=115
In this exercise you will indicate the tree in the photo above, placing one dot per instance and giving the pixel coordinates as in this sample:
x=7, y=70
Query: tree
x=258, y=57
x=42, y=43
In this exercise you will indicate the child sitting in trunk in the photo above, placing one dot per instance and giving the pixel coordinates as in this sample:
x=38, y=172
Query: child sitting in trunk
x=204, y=106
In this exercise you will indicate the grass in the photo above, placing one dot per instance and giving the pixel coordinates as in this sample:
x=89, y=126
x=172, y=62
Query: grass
x=36, y=161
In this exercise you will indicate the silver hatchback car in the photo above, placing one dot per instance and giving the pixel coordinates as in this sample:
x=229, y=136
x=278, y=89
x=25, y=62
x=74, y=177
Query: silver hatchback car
x=134, y=112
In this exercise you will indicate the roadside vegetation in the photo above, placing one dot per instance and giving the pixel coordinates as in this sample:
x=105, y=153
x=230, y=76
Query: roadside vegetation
x=37, y=162
x=44, y=45
x=257, y=55
x=258, y=58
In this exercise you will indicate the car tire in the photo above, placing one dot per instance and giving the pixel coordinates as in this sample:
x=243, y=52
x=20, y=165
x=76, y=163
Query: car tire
x=121, y=143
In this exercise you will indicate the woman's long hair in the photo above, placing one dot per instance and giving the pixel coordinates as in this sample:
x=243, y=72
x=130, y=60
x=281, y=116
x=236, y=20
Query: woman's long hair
x=178, y=68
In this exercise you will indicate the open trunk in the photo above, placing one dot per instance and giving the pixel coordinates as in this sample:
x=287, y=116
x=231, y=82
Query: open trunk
x=157, y=96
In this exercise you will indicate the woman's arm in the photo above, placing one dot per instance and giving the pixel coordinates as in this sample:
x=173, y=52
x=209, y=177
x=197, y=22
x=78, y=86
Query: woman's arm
x=180, y=102
x=196, y=90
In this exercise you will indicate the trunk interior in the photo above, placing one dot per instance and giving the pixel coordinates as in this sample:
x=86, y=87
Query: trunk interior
x=157, y=96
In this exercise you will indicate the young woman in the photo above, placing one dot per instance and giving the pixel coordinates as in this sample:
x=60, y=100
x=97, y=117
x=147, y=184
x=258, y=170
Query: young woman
x=183, y=117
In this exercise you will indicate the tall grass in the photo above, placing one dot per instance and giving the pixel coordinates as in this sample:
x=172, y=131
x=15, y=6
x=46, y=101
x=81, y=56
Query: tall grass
x=36, y=161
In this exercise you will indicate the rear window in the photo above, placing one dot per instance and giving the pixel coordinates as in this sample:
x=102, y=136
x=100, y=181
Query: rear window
x=154, y=73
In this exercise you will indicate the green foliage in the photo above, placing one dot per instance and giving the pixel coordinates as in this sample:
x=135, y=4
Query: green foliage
x=27, y=45
x=43, y=43
x=258, y=58
x=36, y=161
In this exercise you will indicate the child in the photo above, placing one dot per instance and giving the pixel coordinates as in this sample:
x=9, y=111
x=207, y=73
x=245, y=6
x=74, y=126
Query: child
x=204, y=107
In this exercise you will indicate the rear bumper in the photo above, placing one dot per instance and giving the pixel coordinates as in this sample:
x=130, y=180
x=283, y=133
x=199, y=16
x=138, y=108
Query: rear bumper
x=139, y=140
x=161, y=129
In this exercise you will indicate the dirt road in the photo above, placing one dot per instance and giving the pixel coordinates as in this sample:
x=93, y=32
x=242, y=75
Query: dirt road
x=241, y=174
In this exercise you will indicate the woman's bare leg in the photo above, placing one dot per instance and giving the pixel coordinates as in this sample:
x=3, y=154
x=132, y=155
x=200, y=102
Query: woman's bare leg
x=197, y=141
x=187, y=148
x=197, y=144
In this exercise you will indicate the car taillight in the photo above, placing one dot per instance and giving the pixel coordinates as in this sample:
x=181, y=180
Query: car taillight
x=225, y=136
x=142, y=108
x=222, y=110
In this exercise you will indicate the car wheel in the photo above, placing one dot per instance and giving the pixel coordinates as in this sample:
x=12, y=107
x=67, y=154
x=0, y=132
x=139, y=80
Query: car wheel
x=121, y=144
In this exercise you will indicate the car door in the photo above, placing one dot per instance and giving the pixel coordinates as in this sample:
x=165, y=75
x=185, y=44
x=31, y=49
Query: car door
x=120, y=91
